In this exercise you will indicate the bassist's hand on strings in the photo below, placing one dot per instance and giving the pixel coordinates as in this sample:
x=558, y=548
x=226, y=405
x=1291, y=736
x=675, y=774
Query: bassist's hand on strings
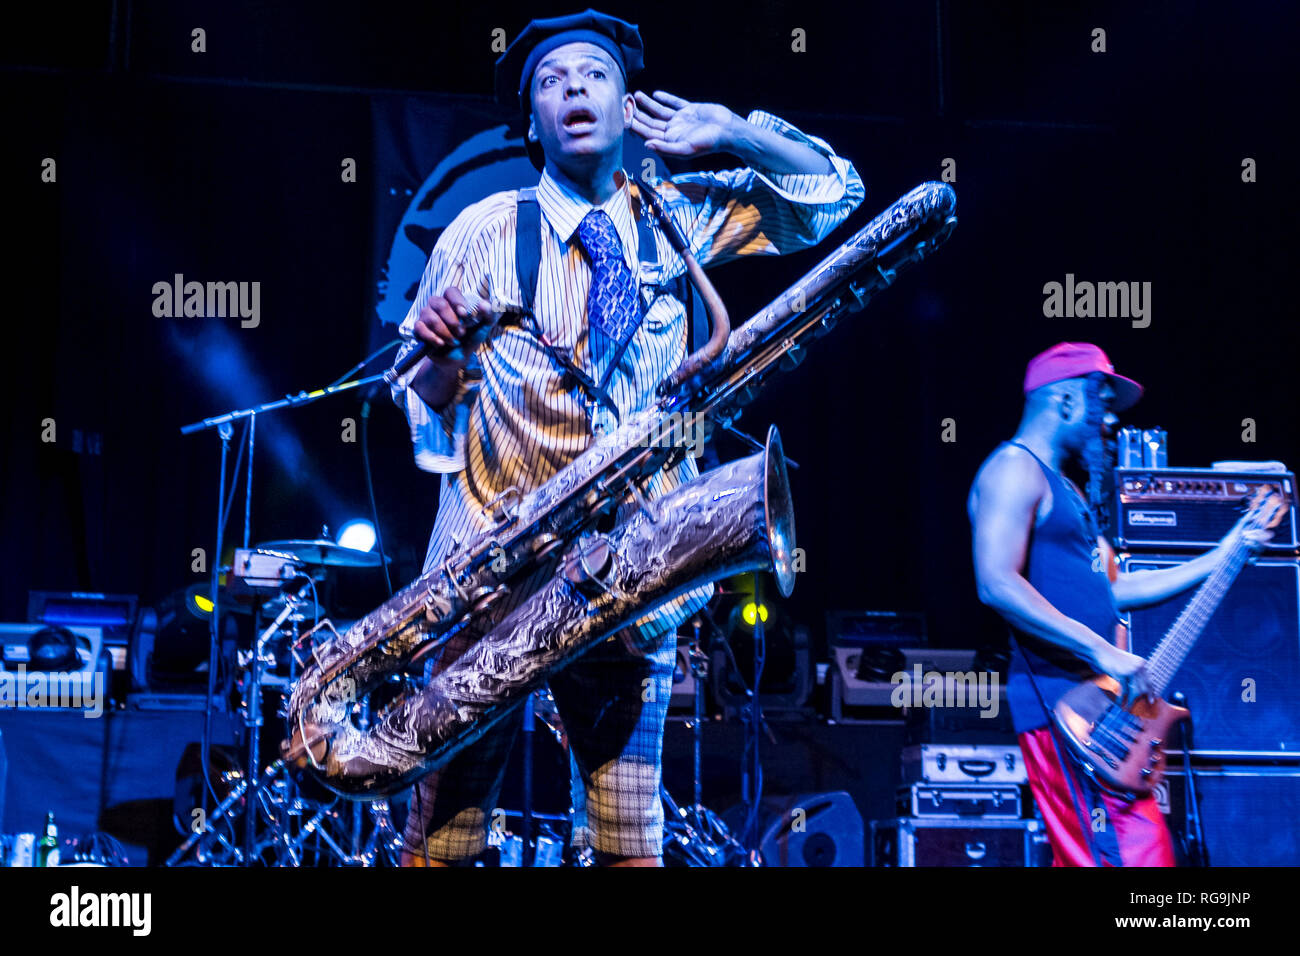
x=1256, y=539
x=1255, y=527
x=1128, y=670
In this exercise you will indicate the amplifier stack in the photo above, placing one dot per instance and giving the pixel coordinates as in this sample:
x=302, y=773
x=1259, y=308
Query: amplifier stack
x=1242, y=679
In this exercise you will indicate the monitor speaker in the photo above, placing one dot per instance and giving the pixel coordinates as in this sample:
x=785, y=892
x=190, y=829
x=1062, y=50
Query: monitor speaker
x=815, y=829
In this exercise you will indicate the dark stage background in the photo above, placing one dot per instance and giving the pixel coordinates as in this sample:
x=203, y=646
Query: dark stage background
x=225, y=166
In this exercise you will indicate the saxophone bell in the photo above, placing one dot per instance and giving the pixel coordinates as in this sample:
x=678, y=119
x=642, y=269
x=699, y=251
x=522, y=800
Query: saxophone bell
x=734, y=519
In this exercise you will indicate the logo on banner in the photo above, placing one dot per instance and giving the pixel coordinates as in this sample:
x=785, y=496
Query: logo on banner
x=485, y=163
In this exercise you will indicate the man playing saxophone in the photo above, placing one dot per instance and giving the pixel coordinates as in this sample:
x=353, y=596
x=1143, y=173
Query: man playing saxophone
x=502, y=404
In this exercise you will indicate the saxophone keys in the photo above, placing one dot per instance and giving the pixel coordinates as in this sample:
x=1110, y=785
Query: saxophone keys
x=587, y=564
x=861, y=296
x=486, y=597
x=544, y=545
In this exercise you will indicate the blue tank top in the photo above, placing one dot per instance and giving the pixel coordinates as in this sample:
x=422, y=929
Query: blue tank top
x=1063, y=567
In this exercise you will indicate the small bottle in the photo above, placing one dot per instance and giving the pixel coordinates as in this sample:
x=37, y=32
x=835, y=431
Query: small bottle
x=47, y=851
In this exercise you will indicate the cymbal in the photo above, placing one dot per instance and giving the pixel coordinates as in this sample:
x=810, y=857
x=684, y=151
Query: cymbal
x=327, y=553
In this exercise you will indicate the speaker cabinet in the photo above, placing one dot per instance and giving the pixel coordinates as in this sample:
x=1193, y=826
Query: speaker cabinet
x=1242, y=679
x=1248, y=813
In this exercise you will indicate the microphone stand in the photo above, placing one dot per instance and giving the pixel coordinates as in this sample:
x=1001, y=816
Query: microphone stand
x=752, y=775
x=223, y=423
x=289, y=401
x=527, y=854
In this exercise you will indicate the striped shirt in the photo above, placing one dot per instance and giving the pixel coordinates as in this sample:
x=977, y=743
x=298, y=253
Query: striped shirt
x=512, y=422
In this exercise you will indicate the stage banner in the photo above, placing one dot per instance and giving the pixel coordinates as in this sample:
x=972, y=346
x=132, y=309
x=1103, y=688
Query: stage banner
x=433, y=156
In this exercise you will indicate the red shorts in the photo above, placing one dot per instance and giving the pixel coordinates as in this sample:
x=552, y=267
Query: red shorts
x=1118, y=832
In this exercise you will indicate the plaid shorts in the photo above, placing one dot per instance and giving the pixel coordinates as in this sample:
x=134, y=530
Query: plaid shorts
x=613, y=701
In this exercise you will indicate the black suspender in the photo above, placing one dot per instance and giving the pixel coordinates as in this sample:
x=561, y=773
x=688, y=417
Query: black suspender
x=528, y=258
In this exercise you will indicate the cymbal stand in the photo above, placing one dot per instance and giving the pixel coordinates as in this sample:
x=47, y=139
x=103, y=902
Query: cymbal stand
x=207, y=833
x=699, y=664
x=253, y=719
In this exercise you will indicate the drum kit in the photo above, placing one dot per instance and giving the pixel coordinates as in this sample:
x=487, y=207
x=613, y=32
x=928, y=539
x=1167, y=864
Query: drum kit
x=265, y=815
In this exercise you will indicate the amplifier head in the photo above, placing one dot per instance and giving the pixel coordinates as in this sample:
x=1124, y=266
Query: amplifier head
x=1191, y=507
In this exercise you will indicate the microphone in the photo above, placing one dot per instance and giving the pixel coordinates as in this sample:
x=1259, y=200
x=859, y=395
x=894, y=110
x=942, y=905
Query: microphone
x=475, y=320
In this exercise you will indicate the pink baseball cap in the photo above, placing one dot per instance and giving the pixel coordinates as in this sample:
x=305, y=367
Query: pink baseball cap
x=1074, y=359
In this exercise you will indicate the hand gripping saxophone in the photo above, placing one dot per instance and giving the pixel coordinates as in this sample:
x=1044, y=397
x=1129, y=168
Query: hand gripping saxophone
x=735, y=518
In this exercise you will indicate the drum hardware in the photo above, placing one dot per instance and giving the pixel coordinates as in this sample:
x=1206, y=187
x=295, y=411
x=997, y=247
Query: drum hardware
x=258, y=574
x=278, y=820
x=699, y=663
x=546, y=851
x=696, y=836
x=527, y=848
x=308, y=610
x=547, y=848
x=752, y=774
x=750, y=710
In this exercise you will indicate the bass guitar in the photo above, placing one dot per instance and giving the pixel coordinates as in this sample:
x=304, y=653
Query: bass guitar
x=1121, y=747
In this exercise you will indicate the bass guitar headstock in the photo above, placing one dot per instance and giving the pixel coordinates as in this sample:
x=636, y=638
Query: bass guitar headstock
x=1266, y=508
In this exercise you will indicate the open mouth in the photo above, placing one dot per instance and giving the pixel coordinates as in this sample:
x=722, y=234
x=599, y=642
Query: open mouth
x=579, y=120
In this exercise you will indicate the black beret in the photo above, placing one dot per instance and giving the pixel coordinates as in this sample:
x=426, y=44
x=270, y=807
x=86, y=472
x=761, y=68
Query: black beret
x=514, y=70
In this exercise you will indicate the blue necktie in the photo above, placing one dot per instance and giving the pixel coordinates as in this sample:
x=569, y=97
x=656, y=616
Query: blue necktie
x=613, y=306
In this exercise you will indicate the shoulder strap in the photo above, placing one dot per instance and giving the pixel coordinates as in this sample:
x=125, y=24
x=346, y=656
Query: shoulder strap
x=528, y=245
x=1041, y=464
x=1085, y=821
x=528, y=259
x=648, y=251
x=528, y=242
x=1054, y=481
